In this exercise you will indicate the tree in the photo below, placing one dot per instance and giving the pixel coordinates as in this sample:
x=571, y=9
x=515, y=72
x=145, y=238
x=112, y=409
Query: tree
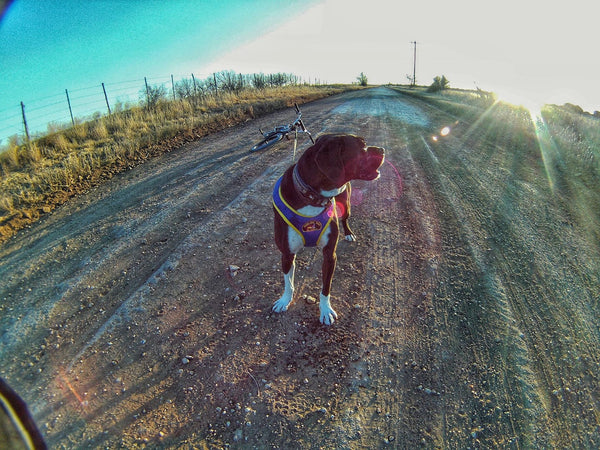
x=259, y=80
x=362, y=79
x=439, y=84
x=185, y=88
x=152, y=95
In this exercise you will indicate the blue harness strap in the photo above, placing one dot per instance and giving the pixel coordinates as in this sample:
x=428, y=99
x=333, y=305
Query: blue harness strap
x=309, y=228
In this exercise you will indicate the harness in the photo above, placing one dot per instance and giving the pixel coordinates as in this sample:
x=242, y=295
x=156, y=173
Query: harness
x=309, y=228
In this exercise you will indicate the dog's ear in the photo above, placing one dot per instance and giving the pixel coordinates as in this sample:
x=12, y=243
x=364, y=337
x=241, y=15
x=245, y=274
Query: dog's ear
x=328, y=158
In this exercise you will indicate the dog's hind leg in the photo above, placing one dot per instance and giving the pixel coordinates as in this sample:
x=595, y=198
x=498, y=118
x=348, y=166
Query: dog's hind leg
x=289, y=266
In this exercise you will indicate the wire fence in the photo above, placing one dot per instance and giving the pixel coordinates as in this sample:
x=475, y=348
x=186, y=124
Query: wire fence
x=48, y=114
x=62, y=110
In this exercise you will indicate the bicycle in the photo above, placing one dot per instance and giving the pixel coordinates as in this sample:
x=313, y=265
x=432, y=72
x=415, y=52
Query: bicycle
x=278, y=133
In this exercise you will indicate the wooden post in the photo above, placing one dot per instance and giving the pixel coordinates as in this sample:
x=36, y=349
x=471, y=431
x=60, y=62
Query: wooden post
x=70, y=110
x=106, y=98
x=25, y=121
x=215, y=78
x=194, y=81
x=173, y=87
x=147, y=93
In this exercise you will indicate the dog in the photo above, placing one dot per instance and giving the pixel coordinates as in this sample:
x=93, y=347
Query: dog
x=308, y=200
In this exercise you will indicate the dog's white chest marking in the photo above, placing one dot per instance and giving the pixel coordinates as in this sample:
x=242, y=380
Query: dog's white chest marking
x=334, y=192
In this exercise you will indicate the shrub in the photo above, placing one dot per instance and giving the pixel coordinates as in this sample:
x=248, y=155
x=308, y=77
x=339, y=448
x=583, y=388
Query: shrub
x=362, y=79
x=439, y=84
x=152, y=95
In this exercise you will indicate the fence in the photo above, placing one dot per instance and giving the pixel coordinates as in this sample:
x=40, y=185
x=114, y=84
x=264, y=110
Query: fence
x=36, y=118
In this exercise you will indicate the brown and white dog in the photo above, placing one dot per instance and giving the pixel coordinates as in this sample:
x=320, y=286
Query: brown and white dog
x=309, y=198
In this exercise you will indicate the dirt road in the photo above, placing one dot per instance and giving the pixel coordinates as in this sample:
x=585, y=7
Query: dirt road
x=139, y=315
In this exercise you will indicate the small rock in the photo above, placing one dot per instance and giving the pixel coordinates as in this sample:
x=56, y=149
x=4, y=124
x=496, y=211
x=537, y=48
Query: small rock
x=310, y=299
x=184, y=360
x=238, y=434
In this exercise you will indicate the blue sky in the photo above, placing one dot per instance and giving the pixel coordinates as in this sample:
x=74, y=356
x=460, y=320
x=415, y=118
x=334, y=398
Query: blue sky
x=529, y=51
x=60, y=43
x=47, y=46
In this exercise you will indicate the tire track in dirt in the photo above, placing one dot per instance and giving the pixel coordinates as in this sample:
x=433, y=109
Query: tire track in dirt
x=123, y=230
x=393, y=384
x=469, y=299
x=515, y=259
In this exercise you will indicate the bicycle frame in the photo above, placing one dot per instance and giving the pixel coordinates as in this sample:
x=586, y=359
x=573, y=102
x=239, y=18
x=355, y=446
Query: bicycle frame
x=278, y=133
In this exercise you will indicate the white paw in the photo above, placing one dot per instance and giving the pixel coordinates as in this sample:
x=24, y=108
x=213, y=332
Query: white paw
x=350, y=238
x=282, y=304
x=328, y=315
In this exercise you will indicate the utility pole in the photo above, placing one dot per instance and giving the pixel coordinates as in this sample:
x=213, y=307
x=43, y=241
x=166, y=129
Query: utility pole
x=414, y=78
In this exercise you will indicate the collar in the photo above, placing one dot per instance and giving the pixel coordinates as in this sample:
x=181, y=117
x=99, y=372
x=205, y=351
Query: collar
x=314, y=198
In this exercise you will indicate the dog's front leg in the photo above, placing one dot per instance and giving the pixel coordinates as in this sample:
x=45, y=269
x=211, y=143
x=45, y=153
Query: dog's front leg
x=343, y=200
x=289, y=266
x=328, y=315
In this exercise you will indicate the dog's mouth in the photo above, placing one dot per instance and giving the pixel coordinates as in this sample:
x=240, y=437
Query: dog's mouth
x=371, y=163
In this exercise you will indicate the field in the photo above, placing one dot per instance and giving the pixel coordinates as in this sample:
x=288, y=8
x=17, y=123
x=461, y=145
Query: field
x=139, y=314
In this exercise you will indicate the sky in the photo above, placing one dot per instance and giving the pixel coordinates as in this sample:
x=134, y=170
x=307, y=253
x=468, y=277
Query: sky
x=528, y=51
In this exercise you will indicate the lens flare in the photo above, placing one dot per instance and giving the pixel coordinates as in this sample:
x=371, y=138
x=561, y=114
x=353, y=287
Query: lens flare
x=339, y=210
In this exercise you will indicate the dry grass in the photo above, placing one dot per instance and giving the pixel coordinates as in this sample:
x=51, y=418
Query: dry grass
x=38, y=176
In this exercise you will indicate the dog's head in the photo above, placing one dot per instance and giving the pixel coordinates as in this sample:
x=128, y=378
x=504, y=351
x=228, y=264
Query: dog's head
x=340, y=158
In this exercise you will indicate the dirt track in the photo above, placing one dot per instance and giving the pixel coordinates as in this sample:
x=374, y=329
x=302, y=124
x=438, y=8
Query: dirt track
x=468, y=308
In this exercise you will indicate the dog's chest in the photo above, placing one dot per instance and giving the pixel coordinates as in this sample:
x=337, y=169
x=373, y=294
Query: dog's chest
x=308, y=226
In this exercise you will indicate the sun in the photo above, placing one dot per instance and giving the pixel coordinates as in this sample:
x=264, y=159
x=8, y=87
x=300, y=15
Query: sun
x=527, y=100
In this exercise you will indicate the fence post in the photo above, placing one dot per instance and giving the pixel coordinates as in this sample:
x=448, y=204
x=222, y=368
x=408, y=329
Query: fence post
x=70, y=110
x=25, y=121
x=106, y=98
x=194, y=81
x=173, y=86
x=215, y=78
x=147, y=93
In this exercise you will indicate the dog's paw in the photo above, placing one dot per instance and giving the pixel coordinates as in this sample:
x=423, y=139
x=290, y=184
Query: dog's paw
x=350, y=238
x=282, y=304
x=328, y=315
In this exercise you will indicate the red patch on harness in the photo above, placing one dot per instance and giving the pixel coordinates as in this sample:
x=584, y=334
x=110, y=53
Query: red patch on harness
x=313, y=225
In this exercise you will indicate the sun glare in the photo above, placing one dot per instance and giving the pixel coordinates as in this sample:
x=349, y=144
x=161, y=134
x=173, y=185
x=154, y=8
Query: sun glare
x=545, y=142
x=533, y=105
